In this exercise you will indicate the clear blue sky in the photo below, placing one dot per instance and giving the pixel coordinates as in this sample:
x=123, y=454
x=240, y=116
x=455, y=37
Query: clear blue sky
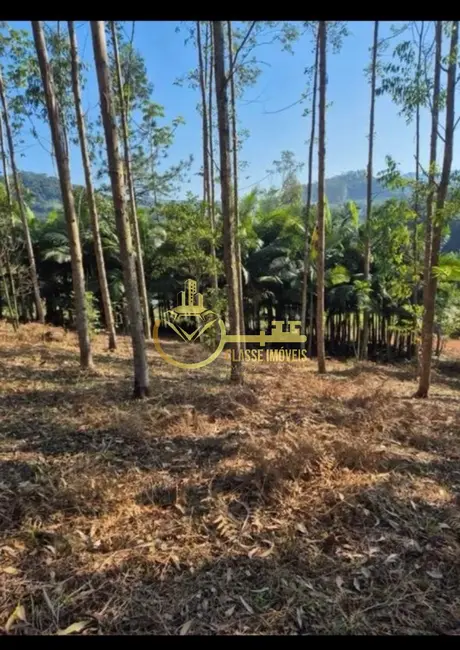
x=281, y=83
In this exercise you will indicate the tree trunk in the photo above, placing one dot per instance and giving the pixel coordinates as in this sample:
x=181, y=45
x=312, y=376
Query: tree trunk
x=141, y=373
x=102, y=276
x=212, y=198
x=78, y=278
x=431, y=171
x=206, y=148
x=321, y=188
x=417, y=178
x=204, y=115
x=235, y=177
x=306, y=255
x=11, y=237
x=432, y=284
x=6, y=179
x=132, y=197
x=310, y=331
x=228, y=212
x=367, y=241
x=22, y=208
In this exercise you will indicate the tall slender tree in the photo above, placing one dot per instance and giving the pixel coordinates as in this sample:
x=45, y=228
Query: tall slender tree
x=141, y=373
x=204, y=113
x=212, y=197
x=231, y=72
x=438, y=222
x=22, y=207
x=321, y=203
x=418, y=75
x=367, y=226
x=227, y=197
x=9, y=235
x=306, y=254
x=102, y=276
x=62, y=161
x=207, y=197
x=130, y=181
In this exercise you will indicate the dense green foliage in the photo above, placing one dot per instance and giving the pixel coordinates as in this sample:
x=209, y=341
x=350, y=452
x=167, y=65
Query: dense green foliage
x=176, y=240
x=178, y=237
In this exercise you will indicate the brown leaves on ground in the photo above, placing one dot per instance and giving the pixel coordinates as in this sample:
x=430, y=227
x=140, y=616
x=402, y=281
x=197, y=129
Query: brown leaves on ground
x=294, y=504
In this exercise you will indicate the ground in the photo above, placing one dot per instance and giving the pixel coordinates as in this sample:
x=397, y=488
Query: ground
x=298, y=504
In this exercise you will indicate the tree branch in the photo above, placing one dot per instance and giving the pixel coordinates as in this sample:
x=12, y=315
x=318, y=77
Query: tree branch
x=280, y=110
x=240, y=47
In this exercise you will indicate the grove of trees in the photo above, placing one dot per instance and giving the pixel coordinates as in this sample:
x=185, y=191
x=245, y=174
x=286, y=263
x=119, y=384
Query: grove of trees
x=366, y=281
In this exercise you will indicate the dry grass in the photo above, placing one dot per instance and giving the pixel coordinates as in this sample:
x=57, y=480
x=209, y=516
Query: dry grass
x=299, y=504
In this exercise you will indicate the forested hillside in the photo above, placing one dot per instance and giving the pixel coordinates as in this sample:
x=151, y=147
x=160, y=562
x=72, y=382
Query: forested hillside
x=352, y=186
x=45, y=193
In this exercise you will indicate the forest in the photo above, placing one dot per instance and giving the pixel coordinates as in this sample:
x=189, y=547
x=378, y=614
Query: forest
x=244, y=496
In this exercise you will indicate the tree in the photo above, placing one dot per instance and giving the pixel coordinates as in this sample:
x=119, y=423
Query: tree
x=208, y=177
x=22, y=209
x=367, y=240
x=62, y=160
x=9, y=247
x=429, y=296
x=228, y=212
x=103, y=286
x=306, y=257
x=234, y=146
x=406, y=79
x=8, y=236
x=321, y=188
x=204, y=113
x=129, y=177
x=201, y=78
x=141, y=374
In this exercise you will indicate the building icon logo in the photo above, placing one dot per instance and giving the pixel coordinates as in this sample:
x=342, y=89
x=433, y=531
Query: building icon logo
x=190, y=309
x=191, y=312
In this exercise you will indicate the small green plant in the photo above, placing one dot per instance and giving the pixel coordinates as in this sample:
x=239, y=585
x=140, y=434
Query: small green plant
x=217, y=302
x=92, y=312
x=94, y=315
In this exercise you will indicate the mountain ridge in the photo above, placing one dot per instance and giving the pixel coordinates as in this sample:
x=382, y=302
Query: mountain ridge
x=348, y=186
x=352, y=186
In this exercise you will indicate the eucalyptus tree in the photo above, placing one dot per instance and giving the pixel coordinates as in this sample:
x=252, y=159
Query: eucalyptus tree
x=21, y=204
x=205, y=79
x=102, y=276
x=62, y=160
x=124, y=107
x=367, y=227
x=322, y=36
x=227, y=198
x=311, y=144
x=8, y=239
x=141, y=374
x=406, y=78
x=441, y=205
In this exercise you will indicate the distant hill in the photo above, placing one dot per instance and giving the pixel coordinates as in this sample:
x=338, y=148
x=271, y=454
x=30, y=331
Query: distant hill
x=45, y=192
x=45, y=195
x=352, y=186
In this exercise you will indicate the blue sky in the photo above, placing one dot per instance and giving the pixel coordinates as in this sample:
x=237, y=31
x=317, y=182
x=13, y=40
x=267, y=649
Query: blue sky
x=281, y=84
